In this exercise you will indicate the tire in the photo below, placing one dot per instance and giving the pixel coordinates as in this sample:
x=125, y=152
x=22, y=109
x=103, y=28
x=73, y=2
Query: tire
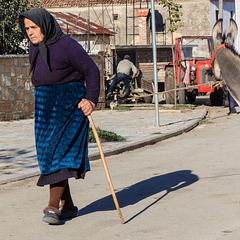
x=191, y=97
x=122, y=91
x=169, y=85
x=182, y=94
x=216, y=97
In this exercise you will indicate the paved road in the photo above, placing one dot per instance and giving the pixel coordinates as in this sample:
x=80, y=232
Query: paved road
x=186, y=187
x=17, y=150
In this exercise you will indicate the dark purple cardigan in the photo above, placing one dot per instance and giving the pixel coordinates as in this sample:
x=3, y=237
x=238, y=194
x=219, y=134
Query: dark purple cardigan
x=69, y=62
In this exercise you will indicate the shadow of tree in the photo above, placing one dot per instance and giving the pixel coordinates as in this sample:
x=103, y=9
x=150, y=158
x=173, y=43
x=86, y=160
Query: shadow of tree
x=131, y=195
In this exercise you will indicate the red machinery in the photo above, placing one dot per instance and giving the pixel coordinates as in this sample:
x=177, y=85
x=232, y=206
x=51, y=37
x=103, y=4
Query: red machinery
x=193, y=67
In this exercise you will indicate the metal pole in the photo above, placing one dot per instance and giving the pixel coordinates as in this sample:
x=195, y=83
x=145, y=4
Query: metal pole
x=155, y=62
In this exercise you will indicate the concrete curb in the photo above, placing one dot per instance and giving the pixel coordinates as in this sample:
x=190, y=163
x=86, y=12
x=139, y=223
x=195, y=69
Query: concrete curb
x=128, y=147
x=149, y=140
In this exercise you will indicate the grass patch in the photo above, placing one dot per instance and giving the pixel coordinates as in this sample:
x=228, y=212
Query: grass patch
x=105, y=136
x=178, y=107
x=119, y=108
x=157, y=133
x=203, y=121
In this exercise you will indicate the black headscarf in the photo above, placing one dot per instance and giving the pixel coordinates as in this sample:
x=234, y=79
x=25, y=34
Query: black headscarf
x=49, y=28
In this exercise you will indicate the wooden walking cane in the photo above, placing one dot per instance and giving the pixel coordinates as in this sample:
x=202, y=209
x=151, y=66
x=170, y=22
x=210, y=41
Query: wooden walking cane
x=105, y=167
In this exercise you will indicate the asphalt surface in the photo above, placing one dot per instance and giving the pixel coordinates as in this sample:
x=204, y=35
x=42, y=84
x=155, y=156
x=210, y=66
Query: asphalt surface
x=138, y=127
x=185, y=187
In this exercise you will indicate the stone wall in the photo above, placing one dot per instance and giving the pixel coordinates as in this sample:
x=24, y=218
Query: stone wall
x=17, y=91
x=99, y=60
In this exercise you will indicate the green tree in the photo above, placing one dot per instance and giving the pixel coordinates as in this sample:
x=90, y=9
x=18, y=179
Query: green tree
x=173, y=13
x=10, y=34
x=174, y=18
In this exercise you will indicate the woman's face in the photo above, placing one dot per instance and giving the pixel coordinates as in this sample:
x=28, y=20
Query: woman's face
x=33, y=31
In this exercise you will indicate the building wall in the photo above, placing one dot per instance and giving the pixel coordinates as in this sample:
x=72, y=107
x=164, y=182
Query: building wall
x=196, y=18
x=96, y=43
x=17, y=91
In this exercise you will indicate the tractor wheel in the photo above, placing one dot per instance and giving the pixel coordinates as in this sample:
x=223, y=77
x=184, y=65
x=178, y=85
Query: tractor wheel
x=182, y=94
x=216, y=97
x=169, y=85
x=191, y=97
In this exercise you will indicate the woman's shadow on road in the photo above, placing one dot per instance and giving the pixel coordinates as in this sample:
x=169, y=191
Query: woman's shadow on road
x=131, y=195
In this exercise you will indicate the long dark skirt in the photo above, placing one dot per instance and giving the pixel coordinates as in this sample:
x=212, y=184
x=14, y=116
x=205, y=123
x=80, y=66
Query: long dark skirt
x=61, y=132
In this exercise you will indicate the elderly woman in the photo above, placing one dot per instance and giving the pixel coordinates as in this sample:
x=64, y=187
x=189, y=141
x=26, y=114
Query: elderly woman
x=67, y=84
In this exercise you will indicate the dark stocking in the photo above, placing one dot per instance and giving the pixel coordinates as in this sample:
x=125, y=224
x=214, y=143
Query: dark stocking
x=66, y=198
x=56, y=192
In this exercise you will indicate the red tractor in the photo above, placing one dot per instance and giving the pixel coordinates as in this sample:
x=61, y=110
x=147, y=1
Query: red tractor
x=193, y=67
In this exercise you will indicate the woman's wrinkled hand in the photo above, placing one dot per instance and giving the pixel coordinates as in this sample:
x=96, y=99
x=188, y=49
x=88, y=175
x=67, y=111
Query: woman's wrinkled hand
x=86, y=106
